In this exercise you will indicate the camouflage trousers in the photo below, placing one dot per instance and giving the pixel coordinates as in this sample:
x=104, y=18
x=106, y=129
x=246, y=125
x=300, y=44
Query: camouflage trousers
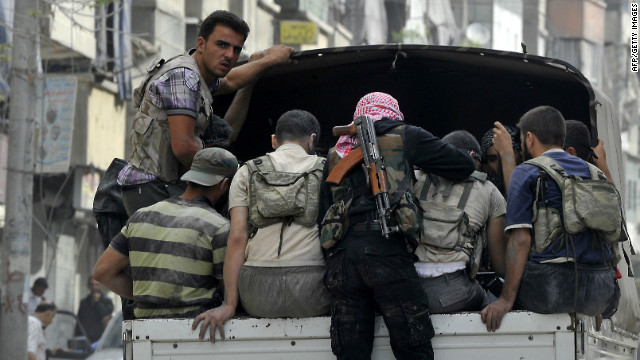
x=365, y=273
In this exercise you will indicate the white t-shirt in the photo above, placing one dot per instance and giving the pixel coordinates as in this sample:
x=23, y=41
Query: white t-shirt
x=36, y=343
x=301, y=244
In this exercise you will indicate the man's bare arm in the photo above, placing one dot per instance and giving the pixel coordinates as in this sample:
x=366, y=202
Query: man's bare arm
x=517, y=254
x=497, y=244
x=504, y=146
x=109, y=270
x=233, y=261
x=601, y=161
x=243, y=75
x=183, y=139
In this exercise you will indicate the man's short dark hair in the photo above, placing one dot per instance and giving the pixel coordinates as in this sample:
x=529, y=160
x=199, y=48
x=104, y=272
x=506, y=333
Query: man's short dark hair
x=41, y=282
x=579, y=138
x=297, y=125
x=226, y=18
x=546, y=123
x=463, y=140
x=46, y=306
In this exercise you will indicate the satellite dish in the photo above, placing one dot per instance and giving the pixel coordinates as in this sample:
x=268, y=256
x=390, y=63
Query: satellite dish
x=478, y=33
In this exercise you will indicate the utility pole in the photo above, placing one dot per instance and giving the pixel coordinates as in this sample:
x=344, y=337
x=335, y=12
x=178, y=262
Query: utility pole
x=16, y=239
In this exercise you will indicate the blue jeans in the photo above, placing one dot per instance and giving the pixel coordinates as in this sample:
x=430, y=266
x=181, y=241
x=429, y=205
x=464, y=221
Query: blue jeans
x=365, y=273
x=551, y=289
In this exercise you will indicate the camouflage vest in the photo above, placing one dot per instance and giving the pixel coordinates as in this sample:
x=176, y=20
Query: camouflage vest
x=399, y=175
x=587, y=204
x=445, y=229
x=278, y=196
x=150, y=140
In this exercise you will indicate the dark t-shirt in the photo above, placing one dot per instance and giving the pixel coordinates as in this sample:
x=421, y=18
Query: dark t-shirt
x=90, y=316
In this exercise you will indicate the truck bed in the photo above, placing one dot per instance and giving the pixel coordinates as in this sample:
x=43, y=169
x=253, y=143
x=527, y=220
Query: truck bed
x=522, y=335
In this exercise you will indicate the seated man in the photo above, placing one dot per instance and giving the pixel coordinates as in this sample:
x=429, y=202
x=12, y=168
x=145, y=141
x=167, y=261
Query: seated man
x=449, y=252
x=577, y=142
x=175, y=247
x=274, y=260
x=500, y=154
x=549, y=270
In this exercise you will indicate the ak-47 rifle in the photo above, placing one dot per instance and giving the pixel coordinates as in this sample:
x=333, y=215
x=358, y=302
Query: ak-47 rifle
x=368, y=152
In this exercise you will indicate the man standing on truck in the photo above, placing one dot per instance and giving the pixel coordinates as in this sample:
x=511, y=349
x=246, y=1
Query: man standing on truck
x=549, y=270
x=365, y=270
x=174, y=107
x=175, y=247
x=274, y=261
x=450, y=251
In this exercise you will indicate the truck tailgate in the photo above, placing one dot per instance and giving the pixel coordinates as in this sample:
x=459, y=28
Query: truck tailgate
x=522, y=335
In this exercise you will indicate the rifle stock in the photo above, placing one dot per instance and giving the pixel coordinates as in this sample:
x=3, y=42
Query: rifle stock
x=345, y=130
x=353, y=159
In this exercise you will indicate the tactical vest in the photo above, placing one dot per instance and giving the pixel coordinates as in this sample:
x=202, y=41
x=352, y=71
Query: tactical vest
x=150, y=139
x=587, y=205
x=282, y=197
x=399, y=177
x=445, y=229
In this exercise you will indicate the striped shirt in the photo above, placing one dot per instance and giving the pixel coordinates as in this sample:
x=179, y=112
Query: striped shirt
x=176, y=250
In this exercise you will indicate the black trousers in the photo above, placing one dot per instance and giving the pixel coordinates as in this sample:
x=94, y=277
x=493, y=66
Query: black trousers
x=365, y=273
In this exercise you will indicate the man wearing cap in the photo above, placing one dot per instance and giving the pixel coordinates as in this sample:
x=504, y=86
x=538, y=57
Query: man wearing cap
x=175, y=247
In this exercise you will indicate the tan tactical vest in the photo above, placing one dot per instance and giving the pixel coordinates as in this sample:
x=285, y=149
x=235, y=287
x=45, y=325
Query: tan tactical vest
x=150, y=140
x=446, y=233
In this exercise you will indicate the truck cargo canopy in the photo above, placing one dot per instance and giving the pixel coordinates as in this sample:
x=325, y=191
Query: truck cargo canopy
x=438, y=88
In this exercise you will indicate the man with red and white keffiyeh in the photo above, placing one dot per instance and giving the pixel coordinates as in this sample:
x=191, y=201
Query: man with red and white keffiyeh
x=365, y=270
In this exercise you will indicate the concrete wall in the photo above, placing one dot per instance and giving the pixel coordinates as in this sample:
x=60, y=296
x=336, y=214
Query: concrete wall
x=507, y=25
x=106, y=126
x=73, y=26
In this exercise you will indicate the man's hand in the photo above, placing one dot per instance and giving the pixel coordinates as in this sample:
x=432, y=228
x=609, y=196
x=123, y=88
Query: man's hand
x=492, y=314
x=502, y=140
x=213, y=318
x=278, y=54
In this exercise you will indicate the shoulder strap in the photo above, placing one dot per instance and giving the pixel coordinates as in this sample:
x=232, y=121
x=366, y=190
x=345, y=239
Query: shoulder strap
x=425, y=187
x=319, y=164
x=263, y=164
x=152, y=69
x=551, y=167
x=478, y=175
x=465, y=194
x=596, y=174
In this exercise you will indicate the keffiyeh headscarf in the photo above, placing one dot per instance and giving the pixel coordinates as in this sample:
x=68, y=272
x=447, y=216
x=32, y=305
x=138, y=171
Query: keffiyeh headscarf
x=376, y=105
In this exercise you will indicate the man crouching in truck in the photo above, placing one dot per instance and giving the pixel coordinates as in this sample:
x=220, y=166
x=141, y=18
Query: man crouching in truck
x=365, y=270
x=175, y=247
x=548, y=269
